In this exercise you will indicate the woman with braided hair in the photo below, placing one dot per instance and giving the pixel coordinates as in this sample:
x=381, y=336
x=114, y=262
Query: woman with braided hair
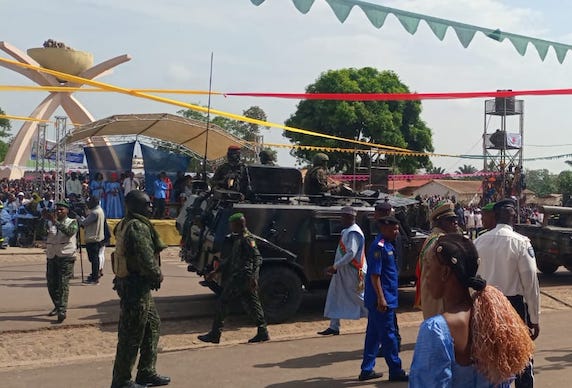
x=479, y=341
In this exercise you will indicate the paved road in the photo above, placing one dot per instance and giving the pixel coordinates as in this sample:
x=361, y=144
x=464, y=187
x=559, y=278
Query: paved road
x=314, y=362
x=25, y=299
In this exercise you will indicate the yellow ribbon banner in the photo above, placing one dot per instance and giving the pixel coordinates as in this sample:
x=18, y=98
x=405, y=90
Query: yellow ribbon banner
x=121, y=90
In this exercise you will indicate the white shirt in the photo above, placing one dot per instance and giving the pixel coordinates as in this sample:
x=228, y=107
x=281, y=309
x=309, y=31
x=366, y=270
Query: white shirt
x=471, y=220
x=478, y=220
x=130, y=184
x=73, y=186
x=508, y=263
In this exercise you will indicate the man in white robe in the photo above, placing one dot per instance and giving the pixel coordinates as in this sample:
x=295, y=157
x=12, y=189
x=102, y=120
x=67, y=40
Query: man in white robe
x=345, y=294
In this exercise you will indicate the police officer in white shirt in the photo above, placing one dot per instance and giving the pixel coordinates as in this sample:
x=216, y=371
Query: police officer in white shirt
x=508, y=263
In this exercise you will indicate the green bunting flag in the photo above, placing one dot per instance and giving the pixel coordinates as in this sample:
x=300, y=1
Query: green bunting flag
x=377, y=15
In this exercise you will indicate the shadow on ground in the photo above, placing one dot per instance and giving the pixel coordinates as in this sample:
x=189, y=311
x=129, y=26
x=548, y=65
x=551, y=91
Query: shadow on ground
x=561, y=361
x=328, y=382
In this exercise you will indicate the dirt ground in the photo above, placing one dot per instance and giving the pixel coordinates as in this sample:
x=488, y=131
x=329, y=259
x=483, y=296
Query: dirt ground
x=94, y=339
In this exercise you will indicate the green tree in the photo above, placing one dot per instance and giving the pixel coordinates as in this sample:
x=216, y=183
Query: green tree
x=395, y=123
x=564, y=182
x=436, y=170
x=193, y=114
x=466, y=169
x=245, y=131
x=4, y=134
x=240, y=129
x=541, y=182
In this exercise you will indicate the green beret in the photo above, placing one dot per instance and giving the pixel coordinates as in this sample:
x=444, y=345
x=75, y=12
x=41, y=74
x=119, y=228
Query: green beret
x=63, y=204
x=488, y=207
x=236, y=217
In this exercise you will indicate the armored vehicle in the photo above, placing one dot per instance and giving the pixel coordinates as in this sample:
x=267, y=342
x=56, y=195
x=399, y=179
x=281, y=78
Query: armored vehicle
x=297, y=236
x=551, y=240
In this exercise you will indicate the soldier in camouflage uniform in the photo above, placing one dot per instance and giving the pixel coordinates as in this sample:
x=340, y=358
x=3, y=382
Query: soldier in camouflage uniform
x=228, y=175
x=316, y=180
x=240, y=279
x=136, y=264
x=266, y=158
x=61, y=245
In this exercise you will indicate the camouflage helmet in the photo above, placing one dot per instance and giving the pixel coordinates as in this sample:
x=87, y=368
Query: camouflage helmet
x=266, y=155
x=320, y=158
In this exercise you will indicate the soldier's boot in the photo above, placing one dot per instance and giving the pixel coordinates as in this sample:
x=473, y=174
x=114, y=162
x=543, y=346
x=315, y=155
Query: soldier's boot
x=152, y=381
x=212, y=337
x=61, y=316
x=261, y=336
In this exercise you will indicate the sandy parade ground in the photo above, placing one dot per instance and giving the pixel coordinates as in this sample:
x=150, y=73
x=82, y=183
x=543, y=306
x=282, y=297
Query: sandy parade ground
x=32, y=346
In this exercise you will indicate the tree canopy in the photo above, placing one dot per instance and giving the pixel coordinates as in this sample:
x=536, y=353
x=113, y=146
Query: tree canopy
x=4, y=133
x=466, y=169
x=395, y=123
x=240, y=129
x=541, y=182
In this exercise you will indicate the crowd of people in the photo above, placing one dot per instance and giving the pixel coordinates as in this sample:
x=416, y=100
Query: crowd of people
x=480, y=300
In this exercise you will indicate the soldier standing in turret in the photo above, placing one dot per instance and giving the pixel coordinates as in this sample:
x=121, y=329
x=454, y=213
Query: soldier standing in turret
x=136, y=264
x=266, y=158
x=316, y=180
x=241, y=269
x=228, y=175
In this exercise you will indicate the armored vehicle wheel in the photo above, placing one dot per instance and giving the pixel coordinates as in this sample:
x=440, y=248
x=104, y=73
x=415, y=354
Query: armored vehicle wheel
x=280, y=293
x=546, y=268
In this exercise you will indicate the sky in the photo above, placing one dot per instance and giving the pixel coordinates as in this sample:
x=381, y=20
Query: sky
x=274, y=48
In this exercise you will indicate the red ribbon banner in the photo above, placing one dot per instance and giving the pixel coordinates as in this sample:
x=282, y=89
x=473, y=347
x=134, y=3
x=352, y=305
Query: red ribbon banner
x=406, y=96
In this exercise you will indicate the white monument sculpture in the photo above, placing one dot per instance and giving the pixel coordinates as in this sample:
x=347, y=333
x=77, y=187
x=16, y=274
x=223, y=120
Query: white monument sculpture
x=53, y=56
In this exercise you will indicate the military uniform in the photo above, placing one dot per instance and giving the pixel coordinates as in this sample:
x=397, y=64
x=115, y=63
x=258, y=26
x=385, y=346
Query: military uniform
x=61, y=246
x=136, y=264
x=316, y=181
x=226, y=173
x=238, y=272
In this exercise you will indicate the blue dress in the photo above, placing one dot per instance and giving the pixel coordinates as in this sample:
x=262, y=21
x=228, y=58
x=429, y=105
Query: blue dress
x=434, y=362
x=97, y=189
x=113, y=200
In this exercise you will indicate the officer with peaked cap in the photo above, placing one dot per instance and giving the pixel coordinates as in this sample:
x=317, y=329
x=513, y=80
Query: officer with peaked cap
x=380, y=298
x=444, y=221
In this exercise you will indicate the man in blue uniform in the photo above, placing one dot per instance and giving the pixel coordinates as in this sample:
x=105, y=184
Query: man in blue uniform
x=381, y=301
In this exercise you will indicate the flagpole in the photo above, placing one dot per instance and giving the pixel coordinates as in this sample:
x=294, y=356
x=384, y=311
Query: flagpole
x=208, y=118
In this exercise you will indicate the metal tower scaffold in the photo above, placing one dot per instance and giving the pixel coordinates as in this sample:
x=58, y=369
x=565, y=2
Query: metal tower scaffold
x=60, y=156
x=41, y=155
x=503, y=142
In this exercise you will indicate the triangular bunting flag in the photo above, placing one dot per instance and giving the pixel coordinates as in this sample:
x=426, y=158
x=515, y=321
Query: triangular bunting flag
x=409, y=23
x=560, y=52
x=376, y=17
x=303, y=5
x=341, y=8
x=541, y=47
x=519, y=44
x=465, y=35
x=439, y=29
